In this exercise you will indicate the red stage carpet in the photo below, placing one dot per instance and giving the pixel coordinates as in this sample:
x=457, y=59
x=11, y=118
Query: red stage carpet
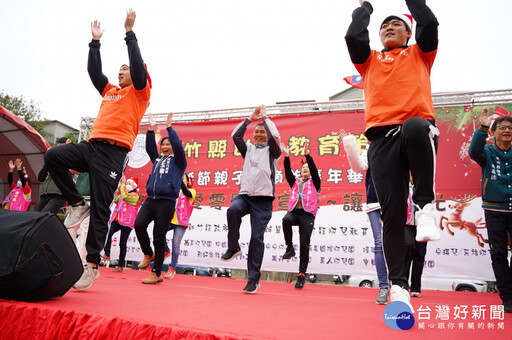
x=118, y=306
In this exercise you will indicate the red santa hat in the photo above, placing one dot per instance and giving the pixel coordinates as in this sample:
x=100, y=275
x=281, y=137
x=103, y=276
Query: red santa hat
x=406, y=18
x=133, y=182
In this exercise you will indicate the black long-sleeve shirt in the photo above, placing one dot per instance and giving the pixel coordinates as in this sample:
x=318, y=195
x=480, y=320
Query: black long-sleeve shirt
x=185, y=190
x=290, y=177
x=10, y=178
x=41, y=176
x=138, y=71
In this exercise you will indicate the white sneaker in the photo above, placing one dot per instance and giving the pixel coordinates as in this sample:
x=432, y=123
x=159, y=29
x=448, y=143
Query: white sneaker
x=90, y=274
x=397, y=293
x=76, y=215
x=426, y=229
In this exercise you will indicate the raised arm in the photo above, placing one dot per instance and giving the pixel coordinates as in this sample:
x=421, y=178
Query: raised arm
x=129, y=197
x=357, y=37
x=10, y=177
x=312, y=168
x=357, y=162
x=426, y=25
x=290, y=177
x=479, y=140
x=151, y=148
x=185, y=190
x=41, y=176
x=138, y=71
x=177, y=147
x=238, y=136
x=99, y=80
x=19, y=165
x=273, y=137
x=26, y=187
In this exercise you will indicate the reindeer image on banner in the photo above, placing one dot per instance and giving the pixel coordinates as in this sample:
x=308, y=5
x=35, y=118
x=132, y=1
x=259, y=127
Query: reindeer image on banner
x=455, y=220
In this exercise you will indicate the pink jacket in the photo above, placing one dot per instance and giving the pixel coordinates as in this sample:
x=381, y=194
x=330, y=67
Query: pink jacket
x=184, y=208
x=126, y=213
x=16, y=200
x=309, y=196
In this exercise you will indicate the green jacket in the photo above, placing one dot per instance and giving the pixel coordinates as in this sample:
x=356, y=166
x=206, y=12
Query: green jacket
x=128, y=197
x=496, y=167
x=48, y=186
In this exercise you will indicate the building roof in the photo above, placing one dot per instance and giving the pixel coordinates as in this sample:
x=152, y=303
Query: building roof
x=58, y=122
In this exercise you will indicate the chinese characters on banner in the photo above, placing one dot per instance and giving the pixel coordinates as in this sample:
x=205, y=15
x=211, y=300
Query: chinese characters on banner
x=342, y=241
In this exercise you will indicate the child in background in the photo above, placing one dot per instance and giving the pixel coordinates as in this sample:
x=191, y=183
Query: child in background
x=20, y=195
x=179, y=223
x=123, y=219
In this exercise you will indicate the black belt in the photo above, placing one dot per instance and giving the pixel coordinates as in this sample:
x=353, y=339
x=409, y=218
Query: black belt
x=107, y=141
x=111, y=142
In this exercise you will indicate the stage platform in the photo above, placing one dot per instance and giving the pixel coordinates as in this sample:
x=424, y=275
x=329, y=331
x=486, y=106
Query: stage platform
x=118, y=306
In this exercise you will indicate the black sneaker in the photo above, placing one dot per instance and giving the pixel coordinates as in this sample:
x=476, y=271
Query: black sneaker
x=231, y=254
x=251, y=287
x=301, y=279
x=289, y=253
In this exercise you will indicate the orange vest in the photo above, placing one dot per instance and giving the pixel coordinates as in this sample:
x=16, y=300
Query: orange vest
x=120, y=114
x=397, y=86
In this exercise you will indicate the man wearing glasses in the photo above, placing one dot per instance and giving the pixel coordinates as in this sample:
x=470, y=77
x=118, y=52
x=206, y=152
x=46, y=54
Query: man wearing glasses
x=496, y=162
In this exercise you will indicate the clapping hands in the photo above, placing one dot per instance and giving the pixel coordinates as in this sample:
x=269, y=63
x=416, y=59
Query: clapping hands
x=259, y=112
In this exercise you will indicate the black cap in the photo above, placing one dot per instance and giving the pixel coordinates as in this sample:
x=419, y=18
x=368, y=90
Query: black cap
x=62, y=140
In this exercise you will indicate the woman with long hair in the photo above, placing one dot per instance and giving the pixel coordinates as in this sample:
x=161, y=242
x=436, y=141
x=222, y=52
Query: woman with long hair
x=162, y=190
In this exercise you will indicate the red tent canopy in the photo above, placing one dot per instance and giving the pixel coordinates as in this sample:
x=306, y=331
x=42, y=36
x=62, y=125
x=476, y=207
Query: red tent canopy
x=20, y=140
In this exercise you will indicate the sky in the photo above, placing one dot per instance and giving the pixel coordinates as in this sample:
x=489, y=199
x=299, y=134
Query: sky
x=207, y=55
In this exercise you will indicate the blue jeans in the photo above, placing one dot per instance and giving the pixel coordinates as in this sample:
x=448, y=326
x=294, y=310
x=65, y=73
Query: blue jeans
x=177, y=236
x=380, y=262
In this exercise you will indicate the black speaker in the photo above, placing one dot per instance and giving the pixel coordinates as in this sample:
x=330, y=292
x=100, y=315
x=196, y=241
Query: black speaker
x=38, y=258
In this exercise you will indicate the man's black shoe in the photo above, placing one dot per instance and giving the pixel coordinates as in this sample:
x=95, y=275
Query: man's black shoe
x=301, y=279
x=251, y=287
x=289, y=253
x=231, y=254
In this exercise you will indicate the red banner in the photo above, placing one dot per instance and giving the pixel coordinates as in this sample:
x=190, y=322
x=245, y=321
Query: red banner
x=342, y=240
x=215, y=164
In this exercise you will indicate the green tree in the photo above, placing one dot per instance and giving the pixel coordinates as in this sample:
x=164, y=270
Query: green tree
x=26, y=110
x=72, y=136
